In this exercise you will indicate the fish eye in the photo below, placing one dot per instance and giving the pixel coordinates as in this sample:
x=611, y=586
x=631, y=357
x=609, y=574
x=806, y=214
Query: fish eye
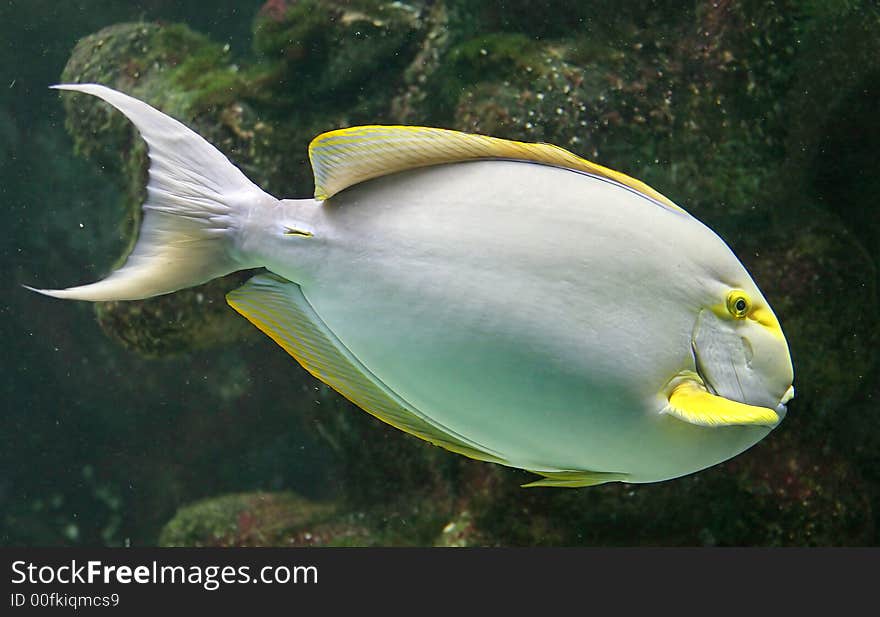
x=738, y=303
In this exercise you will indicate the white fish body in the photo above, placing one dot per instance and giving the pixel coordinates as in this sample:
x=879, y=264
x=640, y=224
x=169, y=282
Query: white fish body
x=572, y=322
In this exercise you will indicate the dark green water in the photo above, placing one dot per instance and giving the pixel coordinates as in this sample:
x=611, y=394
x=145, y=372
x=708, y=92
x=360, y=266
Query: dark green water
x=759, y=118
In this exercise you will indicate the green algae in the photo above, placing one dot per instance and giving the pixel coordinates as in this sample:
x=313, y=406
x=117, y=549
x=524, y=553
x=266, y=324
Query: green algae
x=344, y=53
x=257, y=519
x=286, y=519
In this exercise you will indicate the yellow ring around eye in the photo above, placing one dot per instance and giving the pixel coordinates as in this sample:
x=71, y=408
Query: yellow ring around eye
x=738, y=303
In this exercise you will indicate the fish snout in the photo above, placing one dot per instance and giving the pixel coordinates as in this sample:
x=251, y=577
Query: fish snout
x=782, y=407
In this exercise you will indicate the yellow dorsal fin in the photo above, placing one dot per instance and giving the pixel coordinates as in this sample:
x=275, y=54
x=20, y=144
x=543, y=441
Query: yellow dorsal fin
x=345, y=157
x=691, y=402
x=278, y=308
x=575, y=479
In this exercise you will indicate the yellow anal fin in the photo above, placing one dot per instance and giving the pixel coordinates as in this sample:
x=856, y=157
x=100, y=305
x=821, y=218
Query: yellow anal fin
x=346, y=157
x=692, y=403
x=575, y=479
x=278, y=308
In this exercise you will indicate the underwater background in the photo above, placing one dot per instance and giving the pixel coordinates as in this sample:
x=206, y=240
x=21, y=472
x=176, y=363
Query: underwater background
x=172, y=421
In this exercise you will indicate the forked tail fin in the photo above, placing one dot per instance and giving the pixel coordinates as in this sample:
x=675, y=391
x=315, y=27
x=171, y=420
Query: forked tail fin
x=196, y=203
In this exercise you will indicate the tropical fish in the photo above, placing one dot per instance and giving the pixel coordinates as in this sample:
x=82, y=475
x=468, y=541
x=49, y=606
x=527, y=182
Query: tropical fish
x=508, y=301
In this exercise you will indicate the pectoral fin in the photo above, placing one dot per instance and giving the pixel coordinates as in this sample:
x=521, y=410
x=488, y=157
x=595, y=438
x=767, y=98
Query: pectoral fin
x=692, y=403
x=280, y=309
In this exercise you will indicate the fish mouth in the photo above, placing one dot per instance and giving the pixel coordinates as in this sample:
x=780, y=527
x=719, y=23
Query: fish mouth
x=782, y=408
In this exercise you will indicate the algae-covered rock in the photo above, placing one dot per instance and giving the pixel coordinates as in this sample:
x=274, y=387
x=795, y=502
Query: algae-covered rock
x=346, y=54
x=190, y=319
x=256, y=519
x=286, y=519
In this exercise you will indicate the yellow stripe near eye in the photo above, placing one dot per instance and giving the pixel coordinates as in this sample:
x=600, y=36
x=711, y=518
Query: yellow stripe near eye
x=766, y=318
x=760, y=314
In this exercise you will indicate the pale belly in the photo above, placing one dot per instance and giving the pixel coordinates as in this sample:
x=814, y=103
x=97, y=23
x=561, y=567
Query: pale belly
x=537, y=311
